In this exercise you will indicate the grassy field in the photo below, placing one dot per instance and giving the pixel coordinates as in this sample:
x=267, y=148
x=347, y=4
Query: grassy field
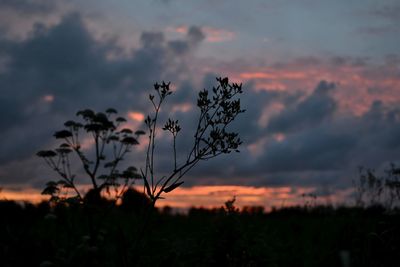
x=40, y=235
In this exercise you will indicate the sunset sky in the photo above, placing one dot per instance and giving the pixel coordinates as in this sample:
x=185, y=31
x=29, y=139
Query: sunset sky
x=321, y=83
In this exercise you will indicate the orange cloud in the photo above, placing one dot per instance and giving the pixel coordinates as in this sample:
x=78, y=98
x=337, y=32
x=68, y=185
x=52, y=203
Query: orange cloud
x=136, y=116
x=275, y=75
x=180, y=29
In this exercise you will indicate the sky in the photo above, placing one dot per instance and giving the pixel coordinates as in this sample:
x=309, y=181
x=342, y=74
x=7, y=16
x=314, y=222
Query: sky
x=321, y=82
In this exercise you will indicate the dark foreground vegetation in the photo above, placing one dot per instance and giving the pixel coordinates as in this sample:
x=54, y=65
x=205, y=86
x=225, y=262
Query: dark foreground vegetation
x=109, y=235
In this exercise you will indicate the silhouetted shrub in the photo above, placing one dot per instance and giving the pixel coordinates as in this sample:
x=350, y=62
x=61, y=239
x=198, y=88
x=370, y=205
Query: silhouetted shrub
x=253, y=210
x=111, y=143
x=135, y=201
x=94, y=198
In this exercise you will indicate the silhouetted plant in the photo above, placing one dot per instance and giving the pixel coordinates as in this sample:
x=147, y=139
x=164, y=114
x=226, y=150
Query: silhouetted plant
x=230, y=207
x=372, y=190
x=211, y=139
x=111, y=143
x=135, y=201
x=253, y=210
x=309, y=200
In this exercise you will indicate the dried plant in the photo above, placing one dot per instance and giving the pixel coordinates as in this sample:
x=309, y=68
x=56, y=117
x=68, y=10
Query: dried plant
x=211, y=139
x=110, y=142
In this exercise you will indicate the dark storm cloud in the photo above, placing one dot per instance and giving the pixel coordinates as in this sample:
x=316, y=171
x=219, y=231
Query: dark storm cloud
x=62, y=69
x=390, y=12
x=179, y=47
x=339, y=61
x=195, y=34
x=320, y=148
x=338, y=145
x=383, y=30
x=315, y=149
x=316, y=108
x=166, y=2
x=389, y=16
x=29, y=7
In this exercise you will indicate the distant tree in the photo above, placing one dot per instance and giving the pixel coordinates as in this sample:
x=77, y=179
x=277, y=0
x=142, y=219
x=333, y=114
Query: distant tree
x=111, y=142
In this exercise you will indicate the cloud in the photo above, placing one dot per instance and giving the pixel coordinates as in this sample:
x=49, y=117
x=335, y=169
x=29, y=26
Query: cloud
x=29, y=7
x=318, y=146
x=316, y=108
x=362, y=80
x=209, y=34
x=380, y=30
x=165, y=2
x=314, y=149
x=337, y=145
x=215, y=35
x=60, y=69
x=383, y=20
x=389, y=12
x=195, y=34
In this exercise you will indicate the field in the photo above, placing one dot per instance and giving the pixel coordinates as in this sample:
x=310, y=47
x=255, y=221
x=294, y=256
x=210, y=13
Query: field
x=107, y=235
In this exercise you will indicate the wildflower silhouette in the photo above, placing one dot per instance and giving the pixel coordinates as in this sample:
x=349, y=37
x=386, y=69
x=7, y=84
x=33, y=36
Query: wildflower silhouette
x=211, y=139
x=111, y=144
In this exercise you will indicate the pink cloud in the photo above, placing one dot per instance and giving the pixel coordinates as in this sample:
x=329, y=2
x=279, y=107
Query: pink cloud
x=359, y=85
x=136, y=116
x=214, y=35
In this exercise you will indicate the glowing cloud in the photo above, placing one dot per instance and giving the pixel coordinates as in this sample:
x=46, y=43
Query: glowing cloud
x=214, y=35
x=48, y=98
x=136, y=116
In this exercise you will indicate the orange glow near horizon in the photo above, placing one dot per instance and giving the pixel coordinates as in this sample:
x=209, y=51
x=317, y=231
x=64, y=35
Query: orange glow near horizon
x=29, y=195
x=209, y=196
